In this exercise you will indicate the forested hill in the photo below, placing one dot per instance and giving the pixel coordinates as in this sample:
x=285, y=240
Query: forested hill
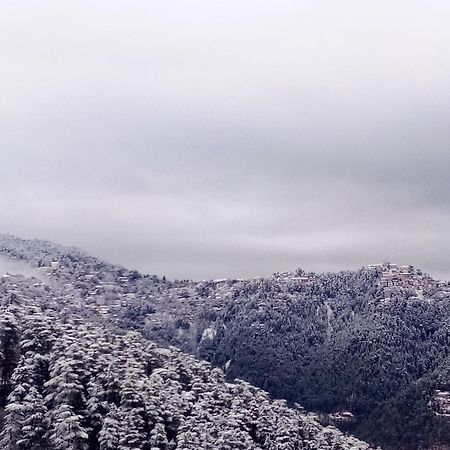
x=71, y=382
x=367, y=350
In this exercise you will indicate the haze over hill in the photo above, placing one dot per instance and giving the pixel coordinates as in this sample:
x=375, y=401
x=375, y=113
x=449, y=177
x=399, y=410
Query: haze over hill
x=11, y=266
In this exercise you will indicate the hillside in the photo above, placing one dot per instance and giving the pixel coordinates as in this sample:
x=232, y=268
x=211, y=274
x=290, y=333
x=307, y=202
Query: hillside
x=367, y=350
x=68, y=382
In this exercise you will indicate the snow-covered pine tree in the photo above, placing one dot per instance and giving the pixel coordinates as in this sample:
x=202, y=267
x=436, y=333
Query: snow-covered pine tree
x=133, y=430
x=9, y=351
x=132, y=414
x=109, y=435
x=67, y=433
x=21, y=381
x=38, y=335
x=35, y=422
x=158, y=437
x=64, y=385
x=66, y=397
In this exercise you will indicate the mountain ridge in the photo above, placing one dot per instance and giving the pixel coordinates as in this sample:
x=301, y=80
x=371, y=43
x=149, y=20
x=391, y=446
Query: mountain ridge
x=71, y=381
x=350, y=345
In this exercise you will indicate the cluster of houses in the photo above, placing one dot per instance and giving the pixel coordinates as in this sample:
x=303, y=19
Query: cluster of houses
x=16, y=289
x=341, y=416
x=299, y=276
x=108, y=297
x=395, y=277
x=103, y=297
x=12, y=288
x=440, y=403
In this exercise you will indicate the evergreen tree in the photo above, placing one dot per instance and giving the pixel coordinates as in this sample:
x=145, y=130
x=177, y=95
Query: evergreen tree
x=158, y=438
x=9, y=352
x=35, y=423
x=109, y=435
x=133, y=434
x=21, y=382
x=132, y=413
x=67, y=432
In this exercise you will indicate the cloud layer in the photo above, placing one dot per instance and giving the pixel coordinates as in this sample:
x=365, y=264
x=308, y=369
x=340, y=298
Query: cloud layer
x=207, y=139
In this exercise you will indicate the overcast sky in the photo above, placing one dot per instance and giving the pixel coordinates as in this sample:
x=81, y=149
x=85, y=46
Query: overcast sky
x=203, y=139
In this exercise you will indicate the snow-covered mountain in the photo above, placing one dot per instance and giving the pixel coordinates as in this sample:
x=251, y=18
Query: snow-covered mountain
x=367, y=350
x=71, y=381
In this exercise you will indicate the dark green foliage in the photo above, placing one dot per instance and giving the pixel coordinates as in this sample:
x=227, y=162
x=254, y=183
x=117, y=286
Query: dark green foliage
x=9, y=352
x=331, y=342
x=80, y=385
x=336, y=344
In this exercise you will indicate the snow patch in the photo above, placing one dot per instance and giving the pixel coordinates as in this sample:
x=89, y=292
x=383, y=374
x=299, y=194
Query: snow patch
x=209, y=333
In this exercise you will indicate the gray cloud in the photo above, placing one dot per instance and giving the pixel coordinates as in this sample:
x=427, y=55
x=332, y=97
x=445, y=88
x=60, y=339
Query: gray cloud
x=208, y=139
